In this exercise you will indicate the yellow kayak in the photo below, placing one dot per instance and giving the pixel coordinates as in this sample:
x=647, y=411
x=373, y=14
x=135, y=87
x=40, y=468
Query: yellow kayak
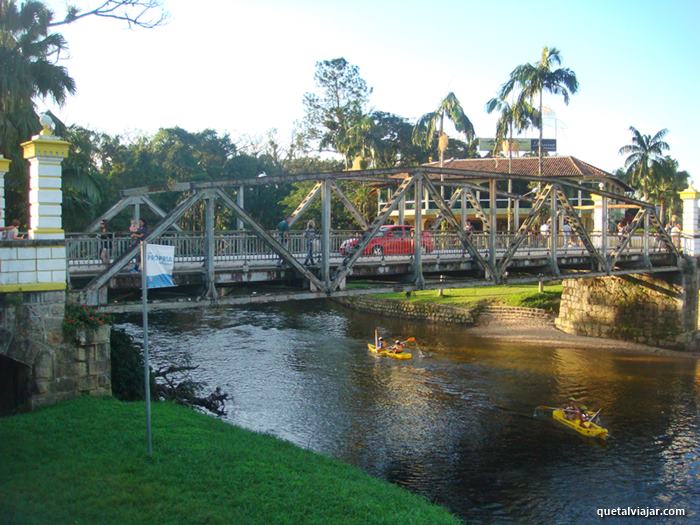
x=588, y=428
x=402, y=355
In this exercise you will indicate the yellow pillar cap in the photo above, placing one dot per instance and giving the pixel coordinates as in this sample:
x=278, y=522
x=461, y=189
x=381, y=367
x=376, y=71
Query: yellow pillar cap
x=689, y=193
x=45, y=146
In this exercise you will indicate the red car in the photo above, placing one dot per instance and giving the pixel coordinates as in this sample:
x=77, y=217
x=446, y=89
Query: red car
x=389, y=240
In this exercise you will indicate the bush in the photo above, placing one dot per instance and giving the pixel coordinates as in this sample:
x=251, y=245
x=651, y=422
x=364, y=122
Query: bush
x=79, y=316
x=127, y=367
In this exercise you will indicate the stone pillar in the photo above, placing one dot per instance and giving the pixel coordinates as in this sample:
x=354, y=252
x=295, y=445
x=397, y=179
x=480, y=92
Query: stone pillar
x=45, y=152
x=597, y=218
x=691, y=218
x=4, y=168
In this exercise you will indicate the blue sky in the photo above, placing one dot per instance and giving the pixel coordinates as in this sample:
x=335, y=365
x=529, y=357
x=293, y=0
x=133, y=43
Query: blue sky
x=243, y=66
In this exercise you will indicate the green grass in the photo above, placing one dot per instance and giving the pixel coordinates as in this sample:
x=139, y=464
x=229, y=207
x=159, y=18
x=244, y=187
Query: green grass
x=84, y=462
x=515, y=295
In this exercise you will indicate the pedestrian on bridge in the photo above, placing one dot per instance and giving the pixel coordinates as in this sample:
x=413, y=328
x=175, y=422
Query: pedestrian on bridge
x=309, y=237
x=137, y=236
x=105, y=237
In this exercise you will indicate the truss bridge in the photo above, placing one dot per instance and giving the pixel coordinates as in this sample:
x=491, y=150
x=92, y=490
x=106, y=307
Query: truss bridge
x=475, y=229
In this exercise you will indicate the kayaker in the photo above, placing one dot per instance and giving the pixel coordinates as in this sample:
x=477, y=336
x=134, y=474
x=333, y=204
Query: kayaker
x=571, y=411
x=397, y=348
x=380, y=344
x=583, y=418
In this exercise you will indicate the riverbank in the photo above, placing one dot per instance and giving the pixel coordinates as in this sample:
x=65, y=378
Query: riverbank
x=517, y=314
x=84, y=461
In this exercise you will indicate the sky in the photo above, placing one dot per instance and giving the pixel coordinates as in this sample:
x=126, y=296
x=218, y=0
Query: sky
x=242, y=66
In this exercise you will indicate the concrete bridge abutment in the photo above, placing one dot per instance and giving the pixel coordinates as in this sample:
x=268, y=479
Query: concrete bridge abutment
x=38, y=364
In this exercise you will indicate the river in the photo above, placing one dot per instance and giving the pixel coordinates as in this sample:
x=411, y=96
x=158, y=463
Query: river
x=455, y=423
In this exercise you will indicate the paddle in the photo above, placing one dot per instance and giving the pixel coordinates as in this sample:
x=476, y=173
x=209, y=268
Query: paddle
x=595, y=415
x=410, y=340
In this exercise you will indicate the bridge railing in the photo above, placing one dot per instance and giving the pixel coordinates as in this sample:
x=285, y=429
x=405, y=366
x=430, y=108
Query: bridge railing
x=84, y=250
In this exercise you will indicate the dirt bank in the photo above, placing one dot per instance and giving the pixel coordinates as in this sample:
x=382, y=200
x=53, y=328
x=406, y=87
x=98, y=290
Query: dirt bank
x=540, y=332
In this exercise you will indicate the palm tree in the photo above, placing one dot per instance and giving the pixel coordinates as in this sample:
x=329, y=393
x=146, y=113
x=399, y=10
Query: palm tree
x=642, y=155
x=424, y=130
x=28, y=55
x=518, y=116
x=513, y=117
x=533, y=79
x=667, y=183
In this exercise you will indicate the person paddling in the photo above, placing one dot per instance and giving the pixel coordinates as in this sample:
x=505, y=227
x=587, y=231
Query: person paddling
x=397, y=347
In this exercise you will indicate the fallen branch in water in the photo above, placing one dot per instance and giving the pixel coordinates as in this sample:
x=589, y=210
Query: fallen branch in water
x=185, y=392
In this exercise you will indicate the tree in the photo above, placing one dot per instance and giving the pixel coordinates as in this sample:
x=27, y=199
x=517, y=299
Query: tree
x=28, y=52
x=29, y=70
x=667, y=183
x=84, y=183
x=140, y=13
x=424, y=132
x=642, y=155
x=384, y=140
x=515, y=117
x=518, y=116
x=536, y=78
x=338, y=107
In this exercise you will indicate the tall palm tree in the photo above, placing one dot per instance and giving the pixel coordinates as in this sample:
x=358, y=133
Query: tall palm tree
x=535, y=78
x=28, y=55
x=424, y=130
x=513, y=117
x=642, y=155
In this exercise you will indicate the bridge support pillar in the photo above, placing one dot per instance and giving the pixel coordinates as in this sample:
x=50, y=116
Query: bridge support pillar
x=553, y=231
x=600, y=225
x=402, y=210
x=4, y=168
x=210, y=246
x=240, y=200
x=493, y=223
x=691, y=221
x=418, y=235
x=463, y=207
x=325, y=233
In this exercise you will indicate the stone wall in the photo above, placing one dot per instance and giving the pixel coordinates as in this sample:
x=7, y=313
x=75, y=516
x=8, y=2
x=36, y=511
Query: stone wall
x=468, y=314
x=639, y=308
x=412, y=310
x=514, y=315
x=31, y=333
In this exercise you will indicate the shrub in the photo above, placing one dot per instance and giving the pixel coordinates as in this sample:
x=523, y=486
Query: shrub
x=127, y=367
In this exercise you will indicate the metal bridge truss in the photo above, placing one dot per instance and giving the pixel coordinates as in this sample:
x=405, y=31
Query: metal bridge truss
x=492, y=263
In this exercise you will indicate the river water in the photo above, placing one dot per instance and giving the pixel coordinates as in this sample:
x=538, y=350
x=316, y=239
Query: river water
x=455, y=423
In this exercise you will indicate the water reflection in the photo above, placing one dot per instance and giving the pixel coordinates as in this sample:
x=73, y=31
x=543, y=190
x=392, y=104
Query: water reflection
x=455, y=423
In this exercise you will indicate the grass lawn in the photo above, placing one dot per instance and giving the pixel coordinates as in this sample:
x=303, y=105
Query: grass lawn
x=84, y=462
x=516, y=295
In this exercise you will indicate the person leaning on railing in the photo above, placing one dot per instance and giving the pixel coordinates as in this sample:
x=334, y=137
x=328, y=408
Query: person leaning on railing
x=105, y=237
x=11, y=232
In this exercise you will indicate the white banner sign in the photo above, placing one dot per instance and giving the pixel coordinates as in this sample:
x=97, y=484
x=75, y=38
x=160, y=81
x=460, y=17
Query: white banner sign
x=160, y=260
